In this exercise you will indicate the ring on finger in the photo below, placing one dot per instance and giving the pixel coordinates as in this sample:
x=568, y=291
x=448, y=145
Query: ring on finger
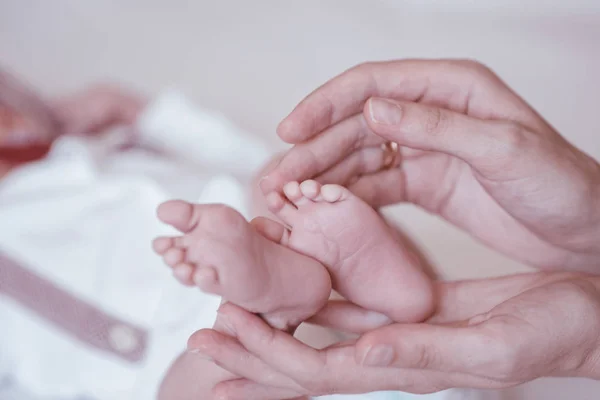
x=390, y=154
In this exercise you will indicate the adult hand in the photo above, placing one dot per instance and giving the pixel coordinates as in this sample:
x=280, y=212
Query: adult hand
x=472, y=151
x=486, y=334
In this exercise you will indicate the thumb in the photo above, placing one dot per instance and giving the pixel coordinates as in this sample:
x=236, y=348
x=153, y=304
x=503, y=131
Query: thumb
x=431, y=347
x=485, y=145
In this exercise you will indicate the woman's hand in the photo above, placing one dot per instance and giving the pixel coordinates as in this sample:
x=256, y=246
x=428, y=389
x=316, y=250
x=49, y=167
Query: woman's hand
x=472, y=151
x=486, y=334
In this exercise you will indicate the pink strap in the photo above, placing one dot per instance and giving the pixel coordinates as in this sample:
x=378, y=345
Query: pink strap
x=75, y=317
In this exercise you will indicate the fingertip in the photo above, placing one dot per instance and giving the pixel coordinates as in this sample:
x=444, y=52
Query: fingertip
x=267, y=182
x=240, y=319
x=274, y=201
x=201, y=340
x=301, y=124
x=285, y=130
x=268, y=228
x=367, y=347
x=231, y=310
x=361, y=347
x=266, y=185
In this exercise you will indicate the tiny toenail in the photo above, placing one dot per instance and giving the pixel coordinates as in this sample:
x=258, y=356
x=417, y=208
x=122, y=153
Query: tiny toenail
x=182, y=272
x=379, y=356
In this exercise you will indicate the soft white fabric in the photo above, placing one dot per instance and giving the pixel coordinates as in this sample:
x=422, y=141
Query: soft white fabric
x=84, y=218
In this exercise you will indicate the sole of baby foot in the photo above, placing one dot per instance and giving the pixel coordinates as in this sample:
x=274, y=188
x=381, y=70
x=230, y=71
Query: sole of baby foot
x=223, y=254
x=367, y=265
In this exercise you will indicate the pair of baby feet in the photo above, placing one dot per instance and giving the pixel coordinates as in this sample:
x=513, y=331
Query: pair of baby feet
x=286, y=275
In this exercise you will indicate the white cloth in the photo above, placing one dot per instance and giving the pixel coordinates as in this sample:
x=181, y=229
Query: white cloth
x=84, y=218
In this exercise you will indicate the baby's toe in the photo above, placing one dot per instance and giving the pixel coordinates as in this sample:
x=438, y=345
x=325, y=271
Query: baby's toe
x=179, y=214
x=183, y=272
x=174, y=256
x=207, y=279
x=161, y=244
x=310, y=189
x=293, y=192
x=332, y=193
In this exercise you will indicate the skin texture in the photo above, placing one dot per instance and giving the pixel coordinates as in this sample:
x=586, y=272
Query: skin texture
x=476, y=154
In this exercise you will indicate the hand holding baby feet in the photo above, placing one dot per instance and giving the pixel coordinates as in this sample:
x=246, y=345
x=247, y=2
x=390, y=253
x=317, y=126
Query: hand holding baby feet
x=367, y=265
x=223, y=254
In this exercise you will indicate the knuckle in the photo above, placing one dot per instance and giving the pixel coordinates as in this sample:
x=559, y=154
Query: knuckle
x=266, y=338
x=503, y=360
x=426, y=357
x=475, y=67
x=435, y=122
x=581, y=296
x=512, y=140
x=363, y=67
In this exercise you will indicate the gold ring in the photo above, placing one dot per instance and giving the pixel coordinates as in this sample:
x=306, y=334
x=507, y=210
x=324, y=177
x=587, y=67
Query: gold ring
x=390, y=154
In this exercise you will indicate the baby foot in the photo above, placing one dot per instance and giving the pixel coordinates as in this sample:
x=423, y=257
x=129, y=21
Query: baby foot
x=367, y=265
x=220, y=252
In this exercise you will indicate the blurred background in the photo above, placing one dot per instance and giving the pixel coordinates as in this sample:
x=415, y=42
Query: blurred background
x=253, y=61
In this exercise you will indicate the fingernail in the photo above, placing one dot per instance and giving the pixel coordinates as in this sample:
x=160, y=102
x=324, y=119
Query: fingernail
x=182, y=273
x=197, y=353
x=377, y=319
x=384, y=111
x=379, y=356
